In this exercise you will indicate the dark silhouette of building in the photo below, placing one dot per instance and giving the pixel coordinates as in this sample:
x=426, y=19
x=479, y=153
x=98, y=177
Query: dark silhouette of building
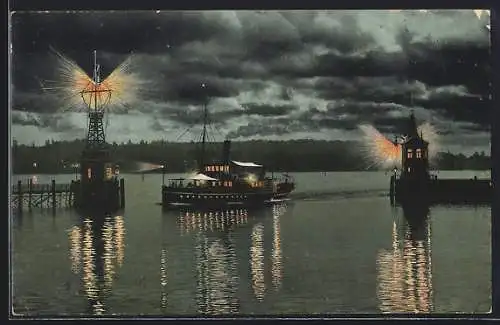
x=415, y=154
x=415, y=186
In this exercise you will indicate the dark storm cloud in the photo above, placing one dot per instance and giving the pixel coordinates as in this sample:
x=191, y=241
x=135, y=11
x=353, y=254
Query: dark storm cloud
x=54, y=122
x=474, y=128
x=281, y=126
x=35, y=102
x=457, y=101
x=192, y=90
x=448, y=64
x=268, y=110
x=272, y=73
x=220, y=116
x=284, y=126
x=462, y=108
x=347, y=116
x=118, y=32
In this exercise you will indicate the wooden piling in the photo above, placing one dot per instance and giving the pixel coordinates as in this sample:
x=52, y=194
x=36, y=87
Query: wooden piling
x=122, y=193
x=53, y=191
x=30, y=192
x=71, y=192
x=42, y=195
x=68, y=196
x=391, y=189
x=19, y=196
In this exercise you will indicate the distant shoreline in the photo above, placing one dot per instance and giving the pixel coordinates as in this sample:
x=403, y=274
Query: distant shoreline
x=285, y=156
x=269, y=172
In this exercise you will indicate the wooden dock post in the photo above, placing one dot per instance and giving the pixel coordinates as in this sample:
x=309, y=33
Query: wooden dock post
x=71, y=192
x=68, y=195
x=42, y=195
x=53, y=191
x=30, y=192
x=392, y=193
x=122, y=193
x=19, y=196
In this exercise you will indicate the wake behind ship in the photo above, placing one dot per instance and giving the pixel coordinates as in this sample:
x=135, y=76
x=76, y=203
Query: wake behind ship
x=225, y=182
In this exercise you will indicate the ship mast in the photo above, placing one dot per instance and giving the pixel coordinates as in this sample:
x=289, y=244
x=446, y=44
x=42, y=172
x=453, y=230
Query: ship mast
x=204, y=135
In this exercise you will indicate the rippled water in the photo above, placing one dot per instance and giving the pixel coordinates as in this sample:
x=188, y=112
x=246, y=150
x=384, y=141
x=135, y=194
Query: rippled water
x=337, y=247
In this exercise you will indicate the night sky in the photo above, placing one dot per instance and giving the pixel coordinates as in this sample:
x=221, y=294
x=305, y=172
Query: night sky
x=269, y=75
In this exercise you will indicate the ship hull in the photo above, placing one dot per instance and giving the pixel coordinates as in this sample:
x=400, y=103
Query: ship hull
x=172, y=198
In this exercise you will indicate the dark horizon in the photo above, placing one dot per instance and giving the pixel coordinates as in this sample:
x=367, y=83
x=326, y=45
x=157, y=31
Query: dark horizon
x=290, y=155
x=49, y=142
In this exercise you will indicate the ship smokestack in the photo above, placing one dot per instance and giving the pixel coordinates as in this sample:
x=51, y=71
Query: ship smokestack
x=226, y=150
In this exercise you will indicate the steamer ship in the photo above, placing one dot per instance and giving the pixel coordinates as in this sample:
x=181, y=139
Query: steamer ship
x=225, y=182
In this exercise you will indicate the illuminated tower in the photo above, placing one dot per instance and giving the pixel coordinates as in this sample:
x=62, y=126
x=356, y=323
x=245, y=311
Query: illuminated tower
x=97, y=184
x=415, y=157
x=96, y=96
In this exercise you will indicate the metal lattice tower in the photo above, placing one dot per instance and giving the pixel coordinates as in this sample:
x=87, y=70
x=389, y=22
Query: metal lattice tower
x=96, y=96
x=96, y=136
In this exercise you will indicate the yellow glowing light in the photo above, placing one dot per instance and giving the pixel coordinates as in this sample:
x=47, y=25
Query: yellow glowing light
x=385, y=154
x=257, y=261
x=121, y=87
x=215, y=283
x=404, y=276
x=163, y=277
x=218, y=280
x=75, y=237
x=96, y=96
x=251, y=178
x=123, y=84
x=108, y=254
x=276, y=266
x=382, y=152
x=82, y=247
x=119, y=239
x=89, y=277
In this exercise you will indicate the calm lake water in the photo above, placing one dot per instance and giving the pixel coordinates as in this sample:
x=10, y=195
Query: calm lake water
x=337, y=247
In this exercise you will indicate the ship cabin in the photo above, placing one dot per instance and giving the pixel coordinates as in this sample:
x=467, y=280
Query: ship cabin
x=236, y=172
x=227, y=175
x=234, y=175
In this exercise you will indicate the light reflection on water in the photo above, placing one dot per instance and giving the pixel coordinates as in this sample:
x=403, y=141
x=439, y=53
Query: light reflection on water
x=257, y=261
x=195, y=221
x=97, y=253
x=405, y=272
x=324, y=256
x=276, y=266
x=163, y=278
x=218, y=275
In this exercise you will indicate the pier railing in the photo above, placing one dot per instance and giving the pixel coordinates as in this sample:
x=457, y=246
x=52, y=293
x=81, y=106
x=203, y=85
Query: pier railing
x=41, y=195
x=40, y=188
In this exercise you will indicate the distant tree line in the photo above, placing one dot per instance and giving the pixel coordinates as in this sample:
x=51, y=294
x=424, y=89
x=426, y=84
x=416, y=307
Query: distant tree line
x=293, y=156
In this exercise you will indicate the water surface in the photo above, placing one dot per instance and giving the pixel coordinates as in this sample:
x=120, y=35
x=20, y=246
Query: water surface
x=337, y=247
